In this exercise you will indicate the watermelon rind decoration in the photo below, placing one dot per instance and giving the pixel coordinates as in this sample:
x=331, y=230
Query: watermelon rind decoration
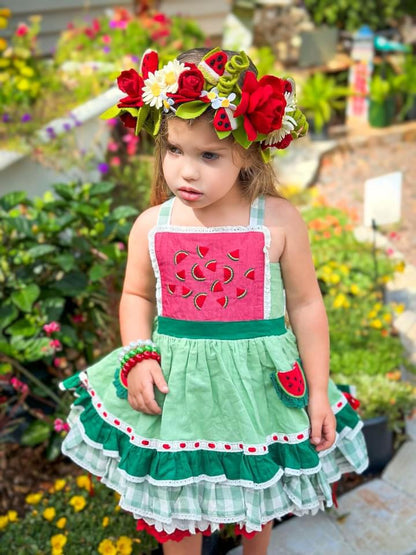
x=120, y=384
x=228, y=274
x=234, y=255
x=179, y=256
x=216, y=286
x=202, y=251
x=291, y=386
x=211, y=265
x=186, y=292
x=197, y=273
x=199, y=300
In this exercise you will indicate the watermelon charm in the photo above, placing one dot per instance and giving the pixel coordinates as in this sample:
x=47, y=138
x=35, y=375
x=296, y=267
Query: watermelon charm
x=213, y=66
x=291, y=386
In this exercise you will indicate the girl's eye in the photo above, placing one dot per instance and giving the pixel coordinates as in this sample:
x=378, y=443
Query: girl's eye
x=210, y=156
x=173, y=149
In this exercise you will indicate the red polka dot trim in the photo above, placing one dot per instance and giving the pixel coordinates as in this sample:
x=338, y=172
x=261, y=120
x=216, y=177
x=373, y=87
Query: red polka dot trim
x=340, y=404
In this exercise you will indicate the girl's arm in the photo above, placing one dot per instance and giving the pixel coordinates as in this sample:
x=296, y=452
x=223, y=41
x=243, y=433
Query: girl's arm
x=137, y=311
x=309, y=322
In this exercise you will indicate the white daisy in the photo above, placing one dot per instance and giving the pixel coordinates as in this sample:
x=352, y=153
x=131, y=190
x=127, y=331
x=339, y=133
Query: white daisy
x=212, y=94
x=168, y=104
x=170, y=75
x=153, y=90
x=221, y=102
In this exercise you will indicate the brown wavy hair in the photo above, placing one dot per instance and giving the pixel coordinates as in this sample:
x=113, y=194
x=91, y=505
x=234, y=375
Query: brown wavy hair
x=256, y=178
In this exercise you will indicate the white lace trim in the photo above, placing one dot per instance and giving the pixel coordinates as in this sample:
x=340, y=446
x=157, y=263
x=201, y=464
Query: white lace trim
x=223, y=229
x=186, y=445
x=339, y=405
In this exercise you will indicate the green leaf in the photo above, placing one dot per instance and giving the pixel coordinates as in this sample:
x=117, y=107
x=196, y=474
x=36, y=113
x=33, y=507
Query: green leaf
x=101, y=188
x=5, y=368
x=53, y=308
x=97, y=272
x=112, y=112
x=123, y=212
x=34, y=348
x=12, y=199
x=72, y=284
x=240, y=134
x=41, y=250
x=65, y=261
x=141, y=117
x=37, y=432
x=64, y=190
x=24, y=298
x=23, y=328
x=8, y=313
x=191, y=110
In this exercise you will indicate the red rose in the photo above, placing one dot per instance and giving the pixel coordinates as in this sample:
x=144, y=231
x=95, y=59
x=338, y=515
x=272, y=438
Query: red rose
x=128, y=120
x=190, y=85
x=262, y=104
x=283, y=143
x=131, y=83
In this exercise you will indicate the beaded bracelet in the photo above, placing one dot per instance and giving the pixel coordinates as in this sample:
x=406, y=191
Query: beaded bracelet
x=132, y=354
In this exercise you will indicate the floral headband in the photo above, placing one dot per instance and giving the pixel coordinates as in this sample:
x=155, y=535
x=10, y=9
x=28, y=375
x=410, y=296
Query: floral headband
x=262, y=111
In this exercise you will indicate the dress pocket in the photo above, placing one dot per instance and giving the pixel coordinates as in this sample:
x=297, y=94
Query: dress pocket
x=291, y=386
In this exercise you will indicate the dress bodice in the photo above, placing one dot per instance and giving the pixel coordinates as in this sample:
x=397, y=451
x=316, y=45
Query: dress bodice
x=215, y=274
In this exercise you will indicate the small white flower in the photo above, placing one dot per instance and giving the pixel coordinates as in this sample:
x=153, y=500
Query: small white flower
x=221, y=102
x=212, y=94
x=170, y=75
x=168, y=104
x=154, y=88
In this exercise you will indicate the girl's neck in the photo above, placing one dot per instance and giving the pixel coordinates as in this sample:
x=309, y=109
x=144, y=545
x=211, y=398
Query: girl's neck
x=212, y=216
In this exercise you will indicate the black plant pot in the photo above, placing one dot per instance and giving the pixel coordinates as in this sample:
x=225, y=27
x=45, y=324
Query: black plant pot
x=379, y=440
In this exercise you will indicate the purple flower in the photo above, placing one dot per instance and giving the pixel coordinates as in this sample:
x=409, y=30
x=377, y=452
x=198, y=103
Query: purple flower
x=51, y=132
x=67, y=126
x=26, y=117
x=6, y=118
x=106, y=49
x=103, y=167
x=134, y=59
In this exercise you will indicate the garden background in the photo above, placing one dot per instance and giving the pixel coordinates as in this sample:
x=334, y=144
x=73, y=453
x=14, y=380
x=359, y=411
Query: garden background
x=65, y=219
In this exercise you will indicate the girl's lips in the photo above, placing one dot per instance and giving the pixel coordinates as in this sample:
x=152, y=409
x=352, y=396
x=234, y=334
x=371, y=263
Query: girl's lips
x=189, y=194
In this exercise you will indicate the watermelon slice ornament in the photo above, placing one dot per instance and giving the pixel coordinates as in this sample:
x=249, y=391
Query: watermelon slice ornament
x=291, y=386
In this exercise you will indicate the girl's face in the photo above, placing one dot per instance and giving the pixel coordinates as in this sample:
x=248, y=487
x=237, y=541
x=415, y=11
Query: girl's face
x=198, y=167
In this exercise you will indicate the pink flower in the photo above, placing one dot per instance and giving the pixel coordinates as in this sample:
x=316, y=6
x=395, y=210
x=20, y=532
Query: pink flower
x=112, y=122
x=112, y=146
x=115, y=161
x=389, y=251
x=19, y=385
x=60, y=426
x=55, y=344
x=22, y=30
x=121, y=246
x=106, y=39
x=51, y=328
x=78, y=318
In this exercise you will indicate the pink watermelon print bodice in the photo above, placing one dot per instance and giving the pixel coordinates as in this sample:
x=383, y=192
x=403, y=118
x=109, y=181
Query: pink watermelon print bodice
x=215, y=274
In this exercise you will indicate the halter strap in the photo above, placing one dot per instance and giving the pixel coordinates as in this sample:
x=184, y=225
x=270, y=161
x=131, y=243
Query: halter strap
x=256, y=212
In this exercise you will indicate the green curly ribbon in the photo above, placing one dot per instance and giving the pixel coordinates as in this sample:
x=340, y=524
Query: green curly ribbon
x=228, y=83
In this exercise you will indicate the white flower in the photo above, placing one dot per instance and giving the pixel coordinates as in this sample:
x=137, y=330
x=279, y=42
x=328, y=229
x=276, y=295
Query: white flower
x=221, y=102
x=212, y=94
x=153, y=90
x=168, y=104
x=170, y=75
x=288, y=123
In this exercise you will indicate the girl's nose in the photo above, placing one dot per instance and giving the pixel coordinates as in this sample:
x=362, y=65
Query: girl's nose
x=189, y=170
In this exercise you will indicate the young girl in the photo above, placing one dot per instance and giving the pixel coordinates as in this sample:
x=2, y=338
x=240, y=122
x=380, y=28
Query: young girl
x=216, y=412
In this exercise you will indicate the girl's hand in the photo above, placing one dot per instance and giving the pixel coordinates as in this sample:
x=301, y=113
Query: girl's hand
x=323, y=422
x=141, y=381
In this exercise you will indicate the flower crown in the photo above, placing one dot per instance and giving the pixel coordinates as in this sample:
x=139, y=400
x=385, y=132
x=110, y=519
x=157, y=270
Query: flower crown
x=262, y=111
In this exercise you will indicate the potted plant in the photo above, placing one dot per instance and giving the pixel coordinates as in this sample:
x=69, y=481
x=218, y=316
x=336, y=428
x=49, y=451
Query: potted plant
x=406, y=86
x=319, y=96
x=382, y=100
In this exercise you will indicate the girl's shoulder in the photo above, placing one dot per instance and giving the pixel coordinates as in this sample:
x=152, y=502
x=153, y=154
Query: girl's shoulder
x=279, y=212
x=145, y=221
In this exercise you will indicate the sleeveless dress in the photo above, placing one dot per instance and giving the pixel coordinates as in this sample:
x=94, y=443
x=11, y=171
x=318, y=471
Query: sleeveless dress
x=232, y=442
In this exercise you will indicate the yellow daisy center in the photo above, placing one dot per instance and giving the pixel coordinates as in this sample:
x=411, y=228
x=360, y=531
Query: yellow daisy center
x=211, y=95
x=225, y=103
x=170, y=78
x=155, y=88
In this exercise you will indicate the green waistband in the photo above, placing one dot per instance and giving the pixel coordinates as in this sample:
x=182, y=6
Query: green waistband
x=220, y=330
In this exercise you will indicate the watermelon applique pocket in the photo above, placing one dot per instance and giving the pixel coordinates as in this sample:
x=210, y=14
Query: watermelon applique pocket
x=291, y=386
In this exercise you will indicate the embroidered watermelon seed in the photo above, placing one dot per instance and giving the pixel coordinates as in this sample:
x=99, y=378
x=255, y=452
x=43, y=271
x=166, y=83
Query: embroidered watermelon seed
x=202, y=251
x=292, y=381
x=179, y=256
x=241, y=293
x=180, y=275
x=197, y=273
x=211, y=265
x=223, y=301
x=234, y=255
x=186, y=292
x=216, y=287
x=199, y=300
x=249, y=274
x=171, y=288
x=228, y=274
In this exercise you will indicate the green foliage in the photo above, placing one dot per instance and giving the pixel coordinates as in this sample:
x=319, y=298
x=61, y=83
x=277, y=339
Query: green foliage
x=319, y=96
x=352, y=14
x=76, y=516
x=62, y=260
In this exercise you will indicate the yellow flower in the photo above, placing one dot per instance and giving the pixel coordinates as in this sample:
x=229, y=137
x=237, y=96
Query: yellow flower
x=372, y=314
x=387, y=317
x=23, y=85
x=378, y=306
x=57, y=551
x=354, y=289
x=58, y=541
x=61, y=523
x=3, y=43
x=376, y=324
x=33, y=498
x=4, y=521
x=124, y=545
x=12, y=516
x=334, y=278
x=27, y=71
x=117, y=496
x=105, y=522
x=344, y=269
x=117, y=509
x=3, y=22
x=84, y=482
x=77, y=502
x=340, y=301
x=107, y=547
x=49, y=514
x=60, y=483
x=400, y=266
